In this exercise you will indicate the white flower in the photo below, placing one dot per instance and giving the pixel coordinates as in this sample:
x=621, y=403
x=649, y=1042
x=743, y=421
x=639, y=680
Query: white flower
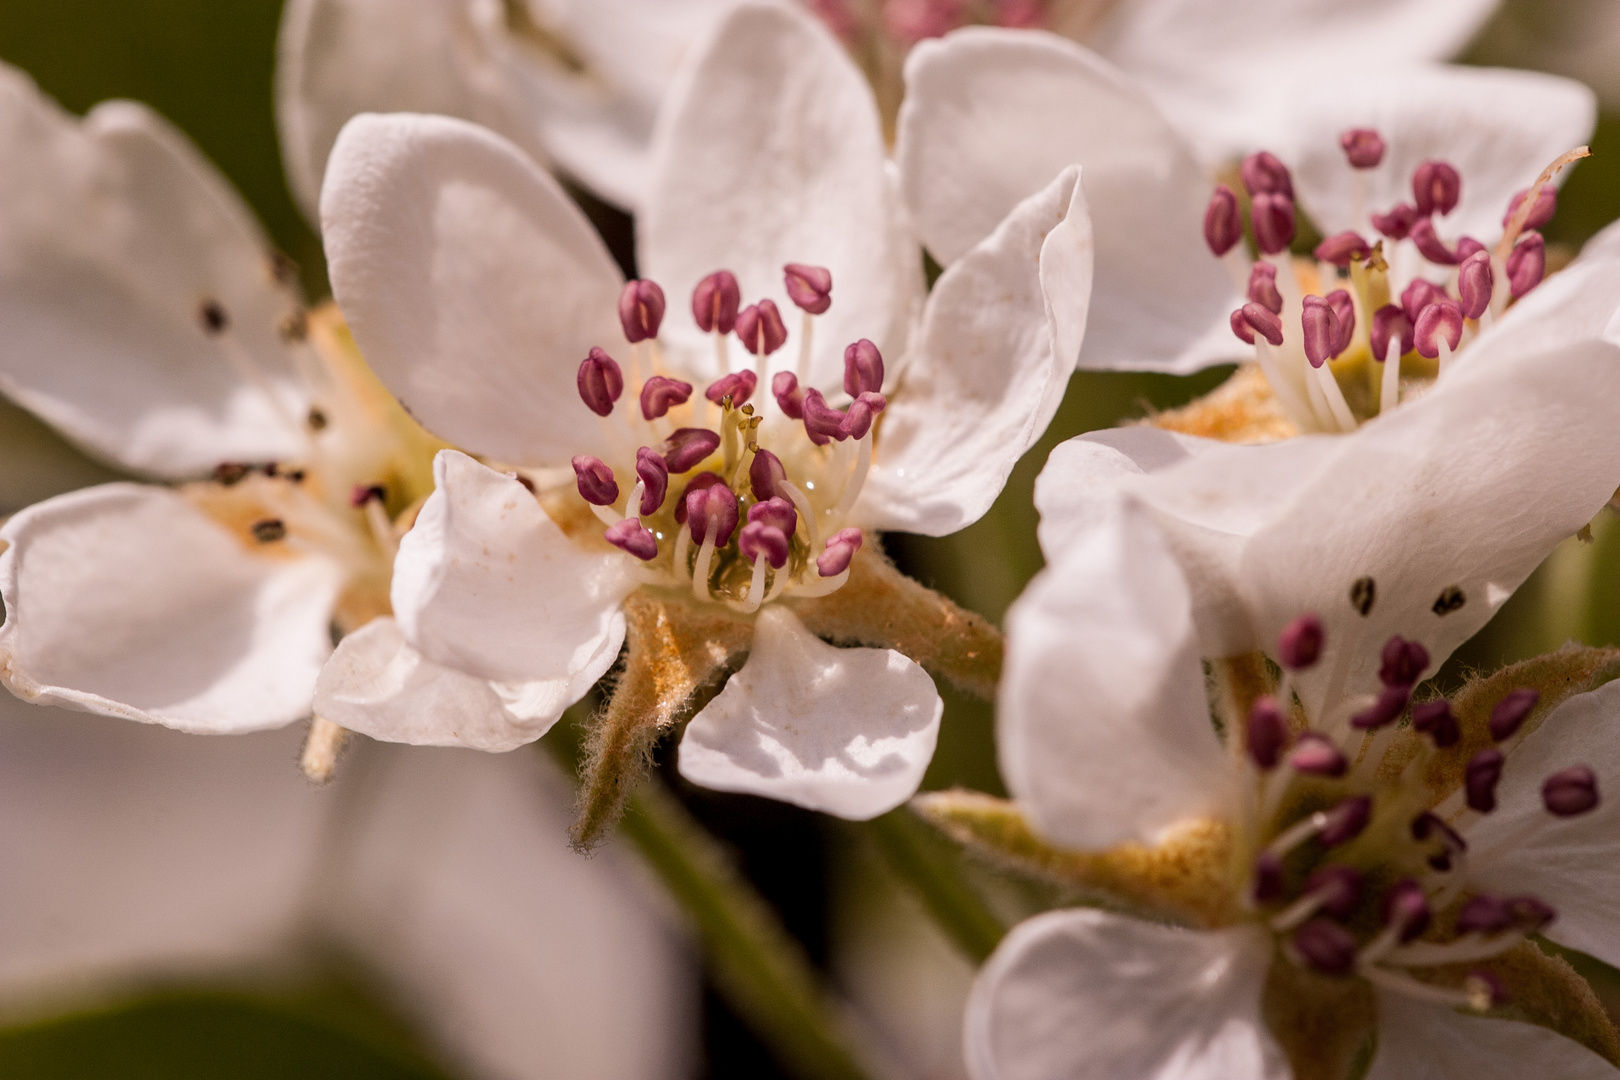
x=991, y=113
x=1361, y=876
x=576, y=83
x=476, y=290
x=137, y=856
x=147, y=321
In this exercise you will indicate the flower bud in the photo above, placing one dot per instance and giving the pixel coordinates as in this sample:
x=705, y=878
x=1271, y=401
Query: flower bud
x=1436, y=186
x=1441, y=320
x=595, y=481
x=660, y=394
x=600, y=382
x=863, y=369
x=810, y=287
x=641, y=310
x=1223, y=224
x=1264, y=174
x=840, y=549
x=712, y=505
x=714, y=302
x=1273, y=219
x=1364, y=147
x=759, y=328
x=1526, y=264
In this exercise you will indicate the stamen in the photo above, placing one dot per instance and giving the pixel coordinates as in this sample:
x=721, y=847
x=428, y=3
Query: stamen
x=1440, y=324
x=1272, y=217
x=776, y=512
x=1346, y=821
x=1299, y=645
x=1223, y=224
x=1474, y=284
x=1267, y=733
x=1389, y=389
x=1510, y=713
x=1480, y=779
x=1402, y=662
x=1526, y=264
x=863, y=459
x=641, y=310
x=801, y=503
x=714, y=303
x=1260, y=320
x=1397, y=224
x=1240, y=327
x=1267, y=880
x=1436, y=187
x=1430, y=246
x=1567, y=793
x=595, y=481
x=711, y=511
x=659, y=394
x=821, y=421
x=1428, y=824
x=764, y=474
x=1264, y=174
x=705, y=561
x=1325, y=947
x=739, y=386
x=1263, y=287
x=1387, y=708
x=1406, y=910
x=1345, y=309
x=759, y=328
x=653, y=472
x=761, y=538
x=1436, y=720
x=1341, y=249
x=841, y=548
x=862, y=412
x=1390, y=322
x=810, y=287
x=863, y=369
x=789, y=398
x=1419, y=295
x=1316, y=755
x=1321, y=327
x=1405, y=985
x=686, y=447
x=1364, y=147
x=632, y=536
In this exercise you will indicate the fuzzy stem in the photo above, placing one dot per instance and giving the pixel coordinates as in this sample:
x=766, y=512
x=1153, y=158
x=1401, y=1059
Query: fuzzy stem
x=913, y=852
x=761, y=971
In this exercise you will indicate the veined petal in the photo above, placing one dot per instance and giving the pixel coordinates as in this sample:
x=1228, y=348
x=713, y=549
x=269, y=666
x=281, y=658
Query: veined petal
x=848, y=732
x=336, y=59
x=128, y=601
x=999, y=339
x=1103, y=733
x=769, y=151
x=1436, y=1043
x=489, y=585
x=1571, y=863
x=991, y=116
x=115, y=234
x=1091, y=995
x=377, y=684
x=1500, y=128
x=471, y=282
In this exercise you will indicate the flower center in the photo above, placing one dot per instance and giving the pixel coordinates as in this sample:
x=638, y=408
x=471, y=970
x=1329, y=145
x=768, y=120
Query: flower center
x=1357, y=866
x=739, y=496
x=365, y=469
x=1343, y=336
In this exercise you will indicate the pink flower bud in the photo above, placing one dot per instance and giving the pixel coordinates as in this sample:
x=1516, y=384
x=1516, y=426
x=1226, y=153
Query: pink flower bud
x=1263, y=288
x=713, y=504
x=810, y=287
x=595, y=481
x=1442, y=319
x=653, y=471
x=765, y=472
x=1364, y=147
x=841, y=548
x=759, y=328
x=789, y=398
x=1397, y=224
x=632, y=536
x=641, y=310
x=863, y=368
x=1223, y=224
x=660, y=394
x=1436, y=186
x=685, y=447
x=1264, y=174
x=1526, y=264
x=1388, y=322
x=600, y=382
x=739, y=386
x=1474, y=282
x=1273, y=219
x=1321, y=326
x=1546, y=206
x=1341, y=249
x=714, y=302
x=757, y=539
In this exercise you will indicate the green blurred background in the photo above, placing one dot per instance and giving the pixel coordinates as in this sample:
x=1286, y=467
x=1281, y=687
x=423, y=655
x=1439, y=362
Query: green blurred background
x=207, y=65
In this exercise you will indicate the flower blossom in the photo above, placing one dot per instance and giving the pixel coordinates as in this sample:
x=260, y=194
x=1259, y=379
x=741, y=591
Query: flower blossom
x=704, y=497
x=148, y=322
x=1328, y=882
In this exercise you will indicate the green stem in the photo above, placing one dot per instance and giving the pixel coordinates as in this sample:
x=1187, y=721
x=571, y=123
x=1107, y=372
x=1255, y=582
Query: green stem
x=932, y=870
x=757, y=966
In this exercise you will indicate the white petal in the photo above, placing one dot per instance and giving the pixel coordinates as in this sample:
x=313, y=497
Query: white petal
x=377, y=684
x=518, y=956
x=1435, y=1043
x=1448, y=491
x=487, y=584
x=39, y=463
x=472, y=284
x=1075, y=490
x=991, y=116
x=126, y=600
x=1571, y=863
x=1104, y=735
x=1499, y=128
x=1228, y=74
x=999, y=339
x=845, y=731
x=769, y=152
x=1579, y=303
x=114, y=231
x=1089, y=995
